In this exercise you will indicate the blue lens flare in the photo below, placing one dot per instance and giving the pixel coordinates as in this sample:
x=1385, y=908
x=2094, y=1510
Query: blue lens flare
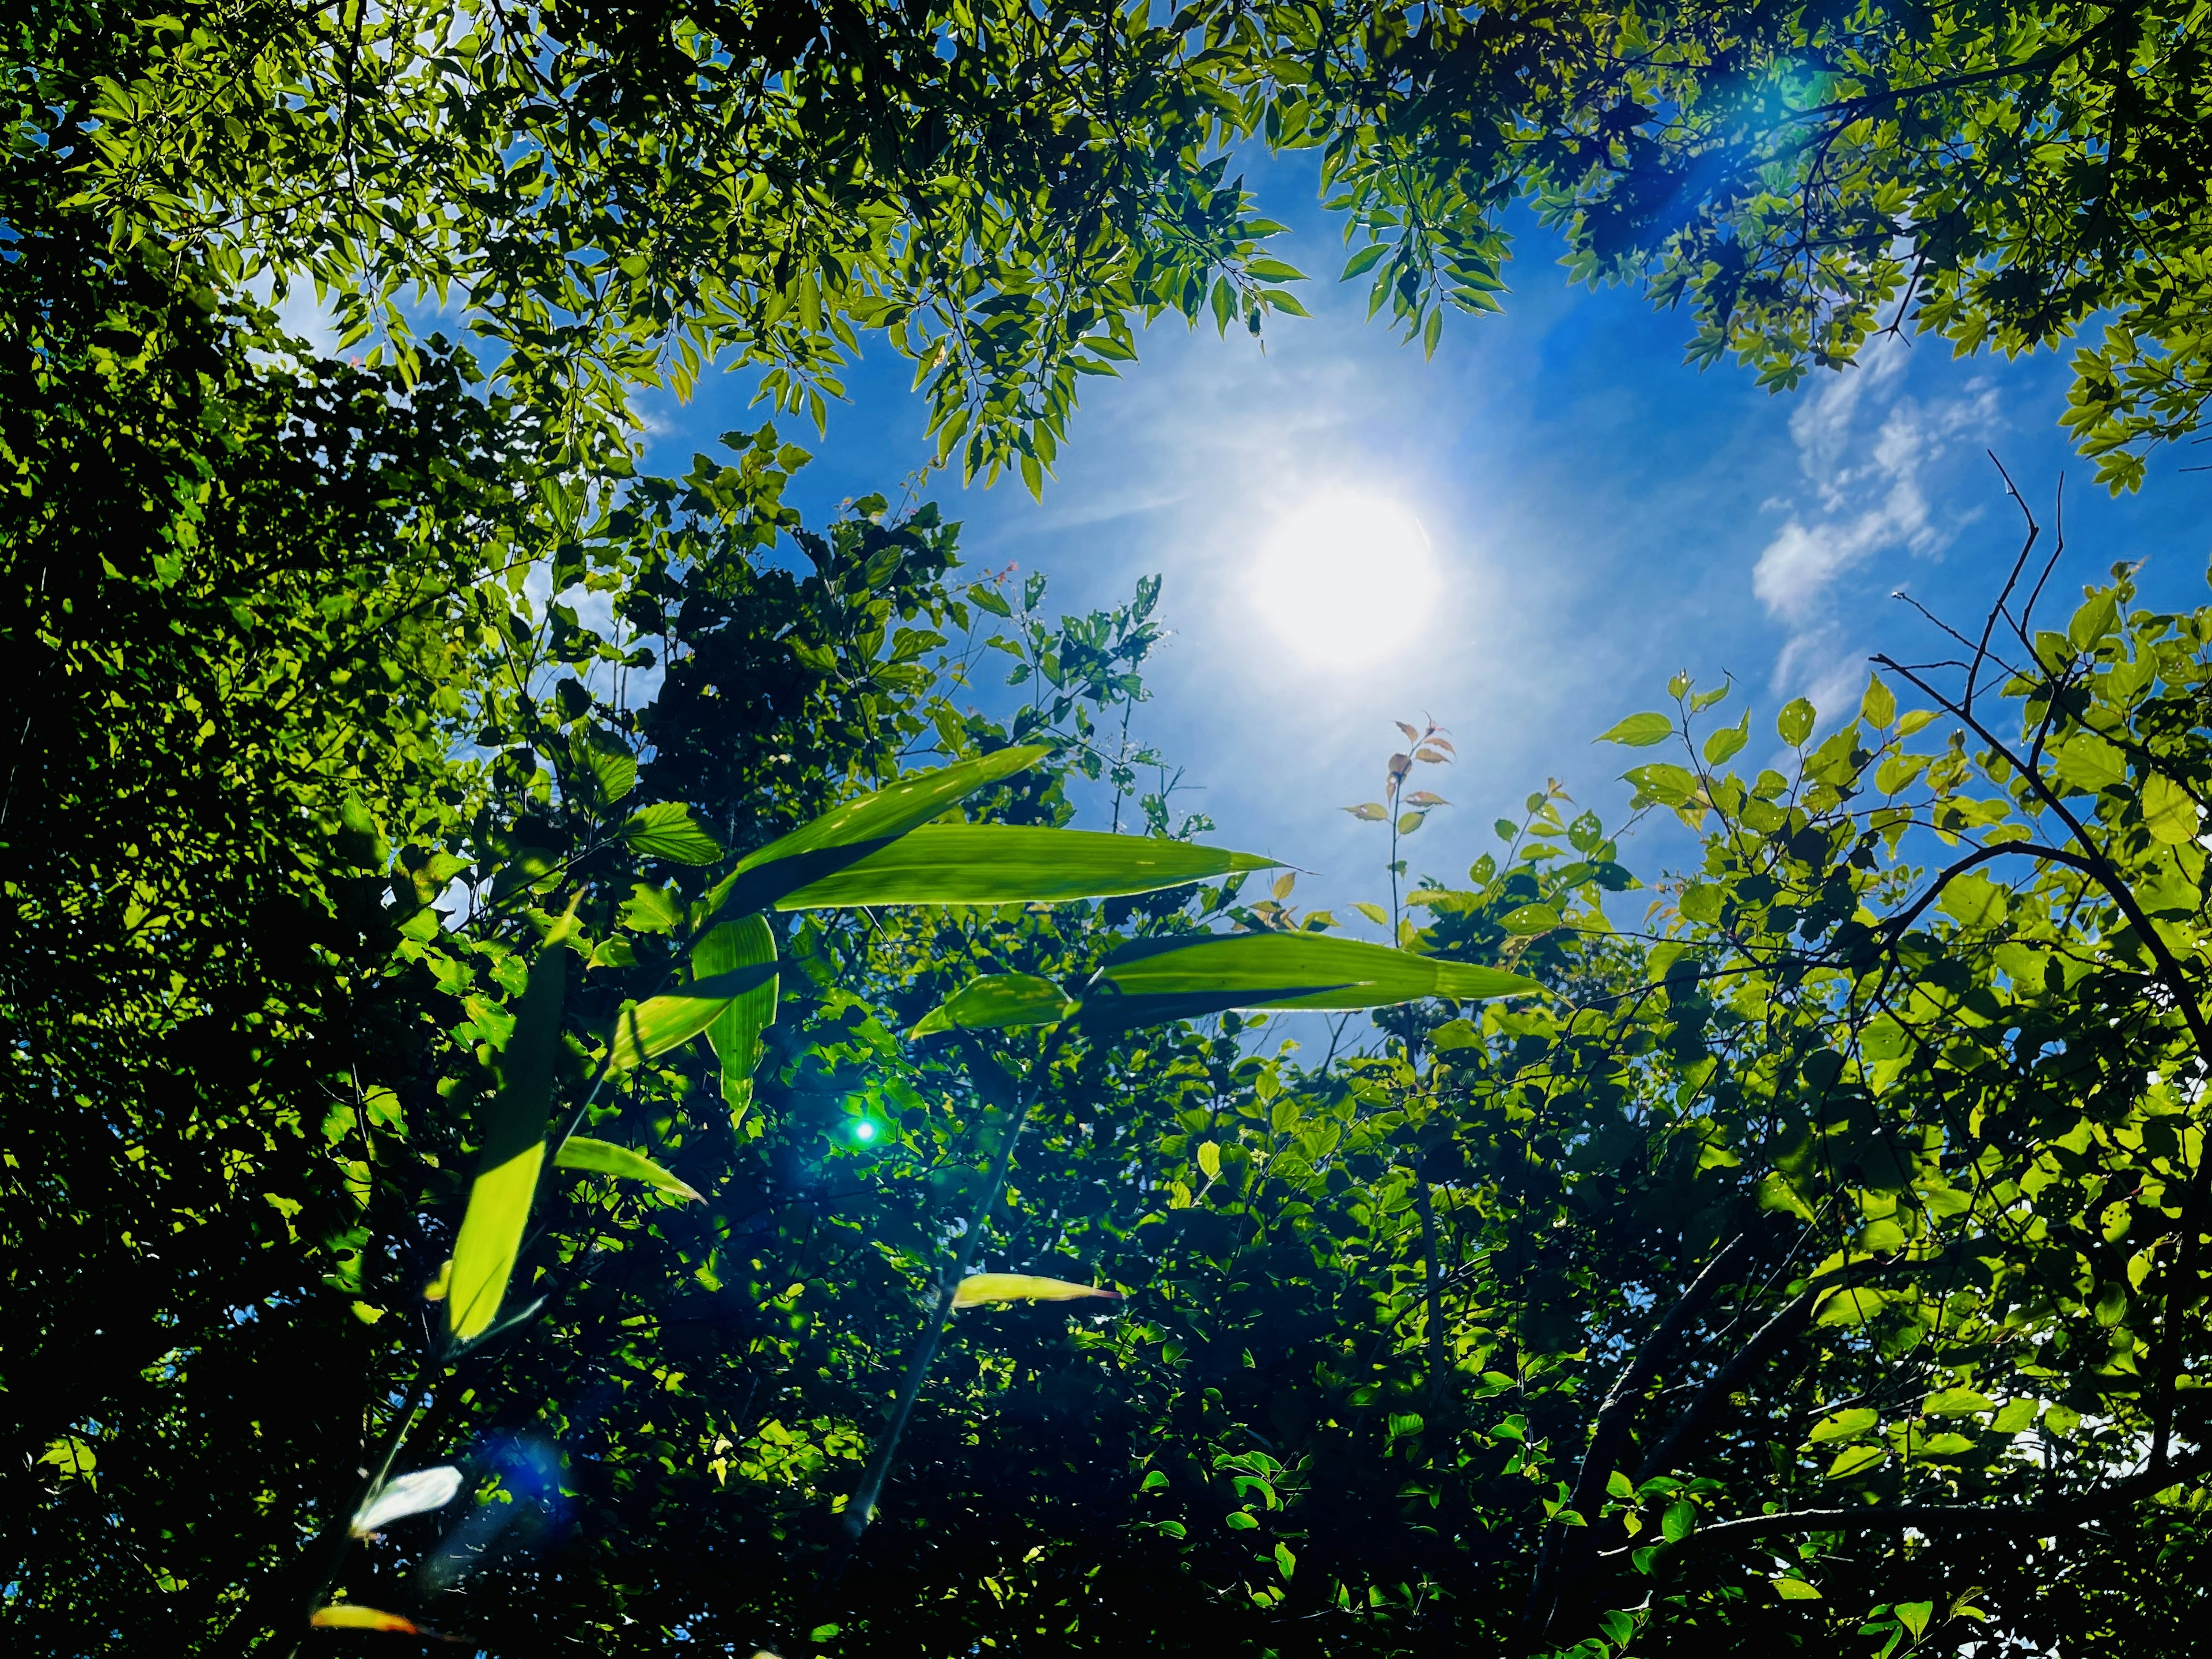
x=864, y=1130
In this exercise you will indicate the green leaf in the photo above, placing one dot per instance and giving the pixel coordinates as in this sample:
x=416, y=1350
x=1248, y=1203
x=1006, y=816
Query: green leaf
x=1680, y=1521
x=1878, y=705
x=604, y=1158
x=1670, y=785
x=1639, y=730
x=735, y=1033
x=1409, y=822
x=643, y=1030
x=1974, y=901
x=1209, y=1160
x=1794, y=723
x=1956, y=1402
x=995, y=1002
x=1724, y=744
x=1005, y=864
x=977, y=1288
x=1844, y=1425
x=1795, y=1589
x=2088, y=762
x=512, y=1153
x=1529, y=920
x=668, y=829
x=2169, y=810
x=1858, y=1460
x=1150, y=981
x=1914, y=1615
x=846, y=834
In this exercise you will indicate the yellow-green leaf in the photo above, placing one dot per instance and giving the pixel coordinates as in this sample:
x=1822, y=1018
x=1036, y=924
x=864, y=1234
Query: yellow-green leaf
x=1795, y=1589
x=645, y=1030
x=846, y=834
x=668, y=829
x=604, y=1158
x=1005, y=864
x=513, y=1151
x=977, y=1288
x=1639, y=730
x=995, y=1001
x=1150, y=981
x=2169, y=810
x=1209, y=1160
x=1842, y=1425
x=351, y=1615
x=735, y=1035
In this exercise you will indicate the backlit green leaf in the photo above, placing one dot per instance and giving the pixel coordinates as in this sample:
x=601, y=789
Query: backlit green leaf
x=668, y=829
x=1002, y=864
x=2169, y=810
x=513, y=1151
x=846, y=834
x=995, y=1002
x=977, y=1288
x=1639, y=730
x=735, y=1033
x=604, y=1158
x=1154, y=979
x=643, y=1030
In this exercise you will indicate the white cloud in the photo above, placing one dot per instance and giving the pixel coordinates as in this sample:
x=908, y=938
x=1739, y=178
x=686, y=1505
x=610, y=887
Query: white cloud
x=1864, y=447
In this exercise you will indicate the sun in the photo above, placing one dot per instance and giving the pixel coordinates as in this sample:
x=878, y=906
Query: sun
x=1344, y=578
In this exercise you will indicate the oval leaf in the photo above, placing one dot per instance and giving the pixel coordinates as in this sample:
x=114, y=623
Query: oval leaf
x=995, y=1002
x=513, y=1151
x=604, y=1158
x=1639, y=730
x=978, y=1288
x=668, y=829
x=1007, y=864
x=845, y=835
x=2169, y=810
x=410, y=1494
x=1150, y=981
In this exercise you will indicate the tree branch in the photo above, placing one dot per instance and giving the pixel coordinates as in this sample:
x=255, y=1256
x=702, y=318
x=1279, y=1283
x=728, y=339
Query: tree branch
x=1929, y=1517
x=1609, y=1435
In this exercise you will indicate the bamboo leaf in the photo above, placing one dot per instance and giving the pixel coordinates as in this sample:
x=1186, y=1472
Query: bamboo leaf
x=1151, y=981
x=353, y=1616
x=512, y=1153
x=977, y=1288
x=845, y=835
x=604, y=1158
x=735, y=1033
x=645, y=1030
x=995, y=1002
x=1005, y=864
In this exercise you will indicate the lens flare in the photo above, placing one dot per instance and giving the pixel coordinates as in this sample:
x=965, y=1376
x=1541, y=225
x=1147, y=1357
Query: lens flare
x=1345, y=578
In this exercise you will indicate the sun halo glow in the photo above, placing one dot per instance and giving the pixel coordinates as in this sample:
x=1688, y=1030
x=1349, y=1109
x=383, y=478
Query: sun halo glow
x=1344, y=578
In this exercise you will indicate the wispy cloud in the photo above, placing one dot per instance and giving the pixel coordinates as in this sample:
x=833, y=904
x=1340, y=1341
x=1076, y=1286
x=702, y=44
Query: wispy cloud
x=1865, y=446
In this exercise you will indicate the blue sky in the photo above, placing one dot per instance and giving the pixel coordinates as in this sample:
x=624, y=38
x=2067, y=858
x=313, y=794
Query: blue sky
x=1598, y=516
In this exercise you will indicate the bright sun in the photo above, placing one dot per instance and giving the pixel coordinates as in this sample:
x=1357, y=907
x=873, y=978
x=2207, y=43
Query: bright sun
x=1344, y=577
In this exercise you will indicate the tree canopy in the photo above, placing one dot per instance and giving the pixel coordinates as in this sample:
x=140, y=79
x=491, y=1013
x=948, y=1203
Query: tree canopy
x=576, y=1077
x=619, y=196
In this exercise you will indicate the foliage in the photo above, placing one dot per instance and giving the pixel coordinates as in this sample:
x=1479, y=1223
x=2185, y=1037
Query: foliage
x=622, y=195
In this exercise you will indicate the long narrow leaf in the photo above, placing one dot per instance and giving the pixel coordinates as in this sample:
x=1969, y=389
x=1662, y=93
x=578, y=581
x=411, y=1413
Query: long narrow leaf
x=735, y=1034
x=643, y=1030
x=996, y=1001
x=604, y=1158
x=846, y=834
x=1151, y=981
x=978, y=1288
x=1002, y=864
x=512, y=1154
x=351, y=1615
x=410, y=1494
